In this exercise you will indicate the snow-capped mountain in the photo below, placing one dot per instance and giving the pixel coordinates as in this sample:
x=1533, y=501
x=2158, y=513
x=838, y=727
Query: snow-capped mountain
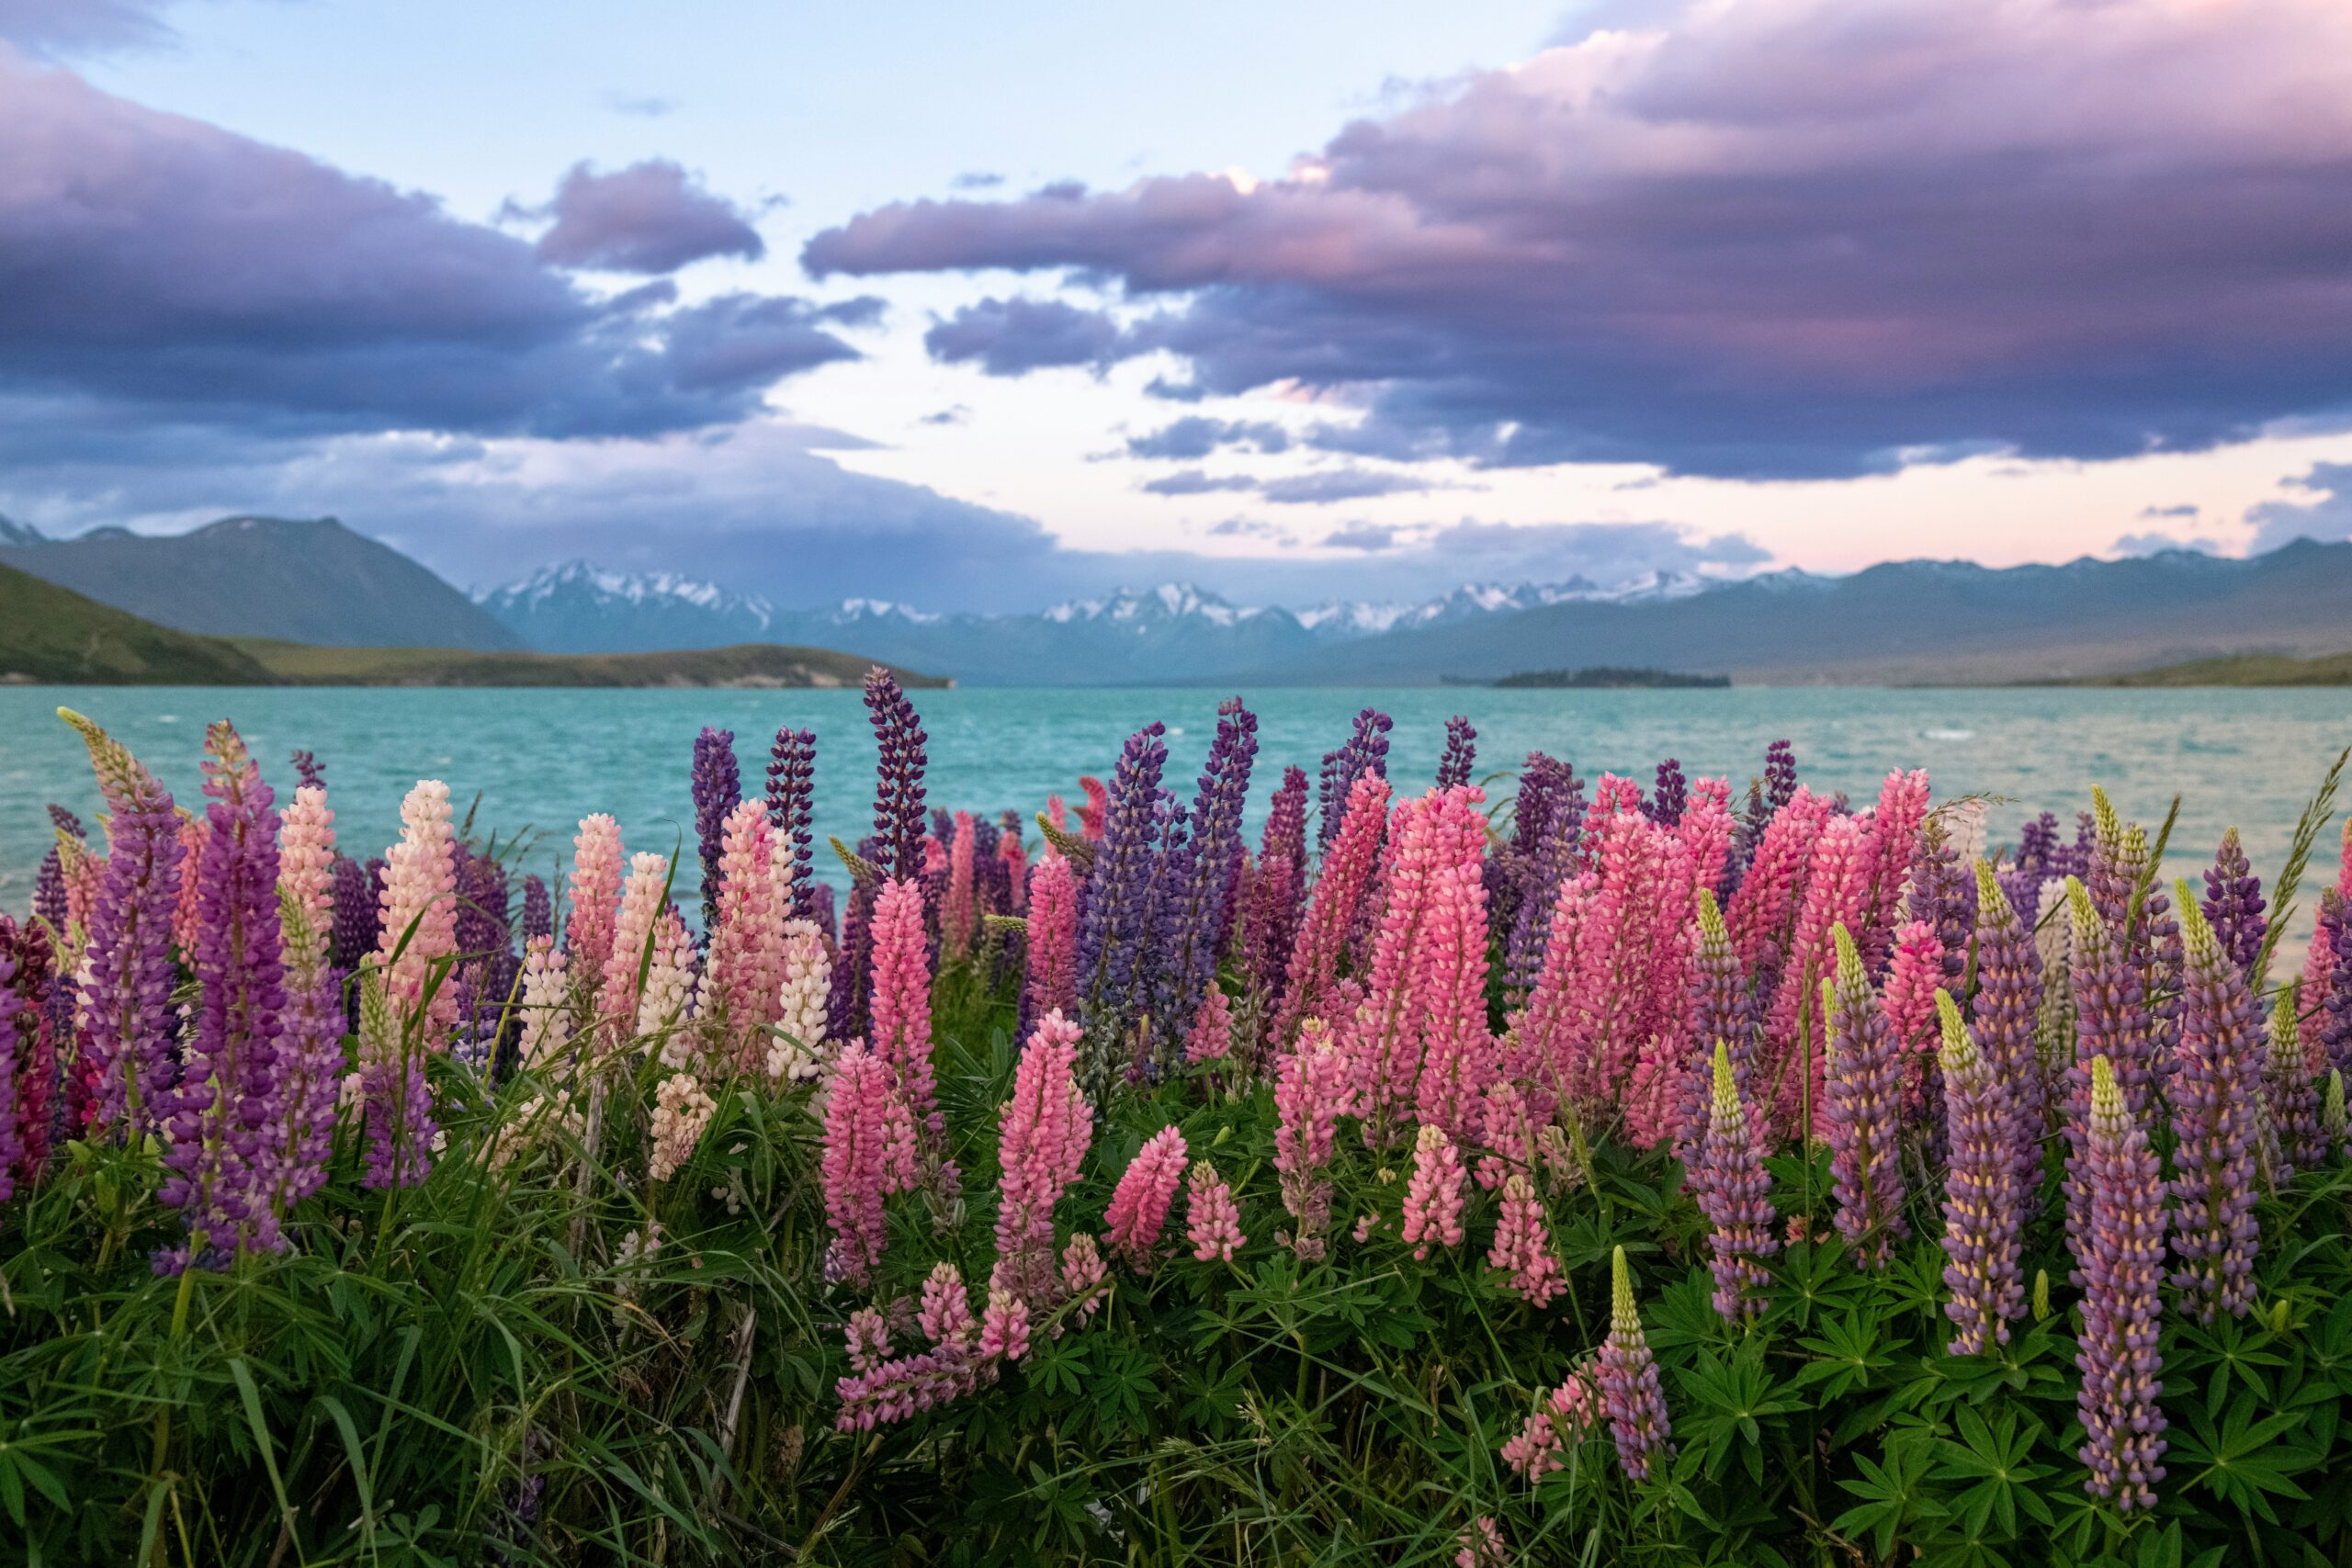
x=1342, y=619
x=577, y=607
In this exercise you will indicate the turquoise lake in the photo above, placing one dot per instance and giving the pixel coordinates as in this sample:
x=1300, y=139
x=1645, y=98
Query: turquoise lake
x=541, y=758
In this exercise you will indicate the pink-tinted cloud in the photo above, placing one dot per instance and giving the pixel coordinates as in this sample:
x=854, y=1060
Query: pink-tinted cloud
x=652, y=217
x=1773, y=237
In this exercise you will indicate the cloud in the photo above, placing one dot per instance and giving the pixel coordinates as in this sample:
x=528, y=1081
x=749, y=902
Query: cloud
x=57, y=29
x=651, y=218
x=1248, y=528
x=1194, y=481
x=2183, y=510
x=154, y=269
x=959, y=414
x=1778, y=238
x=1011, y=337
x=977, y=180
x=2150, y=544
x=640, y=107
x=1339, y=484
x=2326, y=516
x=1196, y=437
x=1367, y=536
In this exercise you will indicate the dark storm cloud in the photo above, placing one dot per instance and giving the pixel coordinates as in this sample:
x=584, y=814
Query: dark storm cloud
x=1776, y=239
x=652, y=217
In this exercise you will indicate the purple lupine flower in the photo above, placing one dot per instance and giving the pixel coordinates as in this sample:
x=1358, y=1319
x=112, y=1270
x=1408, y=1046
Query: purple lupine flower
x=898, y=776
x=1461, y=753
x=1115, y=925
x=310, y=1053
x=1735, y=1193
x=1985, y=1195
x=1944, y=894
x=2008, y=1007
x=127, y=988
x=1197, y=880
x=2234, y=903
x=2113, y=874
x=1723, y=1012
x=2123, y=1224
x=1629, y=1383
x=2335, y=1022
x=309, y=773
x=539, y=911
x=356, y=894
x=1673, y=796
x=484, y=904
x=1270, y=925
x=2215, y=1097
x=1366, y=751
x=1779, y=777
x=820, y=910
x=48, y=891
x=400, y=1129
x=67, y=823
x=1550, y=860
x=717, y=790
x=792, y=805
x=231, y=1099
x=1864, y=1105
x=2112, y=1022
x=2290, y=1094
x=845, y=1009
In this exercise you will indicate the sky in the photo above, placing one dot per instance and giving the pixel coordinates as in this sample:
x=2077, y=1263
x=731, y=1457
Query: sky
x=986, y=307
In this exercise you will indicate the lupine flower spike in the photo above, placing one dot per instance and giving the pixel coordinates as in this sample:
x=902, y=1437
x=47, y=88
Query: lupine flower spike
x=2122, y=1260
x=1985, y=1196
x=2215, y=1096
x=1629, y=1382
x=1735, y=1193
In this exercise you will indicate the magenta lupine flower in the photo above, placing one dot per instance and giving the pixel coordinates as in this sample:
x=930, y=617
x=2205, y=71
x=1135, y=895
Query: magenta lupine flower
x=2214, y=1095
x=2008, y=1006
x=1461, y=753
x=419, y=919
x=1986, y=1196
x=1762, y=915
x=1212, y=1219
x=1523, y=1246
x=1836, y=892
x=1704, y=830
x=127, y=973
x=1198, y=879
x=1566, y=1414
x=2290, y=1094
x=1894, y=826
x=1420, y=1035
x=865, y=1125
x=1908, y=1000
x=33, y=995
x=1433, y=1194
x=2123, y=1267
x=1735, y=1193
x=1578, y=1032
x=1090, y=815
x=2234, y=903
x=1331, y=915
x=1043, y=1129
x=901, y=1008
x=1862, y=1108
x=1139, y=1204
x=959, y=912
x=1116, y=919
x=945, y=1315
x=1366, y=751
x=1310, y=1091
x=903, y=1389
x=1082, y=1275
x=186, y=920
x=1210, y=1037
x=2111, y=1021
x=1004, y=1327
x=595, y=892
x=1627, y=1378
x=792, y=798
x=1051, y=983
x=900, y=741
x=746, y=973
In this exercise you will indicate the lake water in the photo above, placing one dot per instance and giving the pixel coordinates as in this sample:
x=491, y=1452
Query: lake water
x=542, y=759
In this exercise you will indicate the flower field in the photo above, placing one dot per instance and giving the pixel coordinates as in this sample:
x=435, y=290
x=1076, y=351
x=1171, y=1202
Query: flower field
x=1508, y=1166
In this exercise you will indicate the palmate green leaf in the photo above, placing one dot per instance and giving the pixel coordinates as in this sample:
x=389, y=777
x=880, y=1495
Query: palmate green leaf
x=1993, y=1457
x=2242, y=1459
x=1892, y=1496
x=1815, y=1281
x=1734, y=1397
x=1849, y=1353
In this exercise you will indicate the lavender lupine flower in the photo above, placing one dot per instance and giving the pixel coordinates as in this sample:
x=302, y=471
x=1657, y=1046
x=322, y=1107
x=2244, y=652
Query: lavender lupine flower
x=1985, y=1195
x=358, y=888
x=1862, y=1103
x=853, y=965
x=2122, y=1225
x=1547, y=861
x=1116, y=922
x=1461, y=753
x=2008, y=1009
x=308, y=774
x=717, y=790
x=1945, y=895
x=1723, y=1012
x=2234, y=903
x=2215, y=1098
x=1270, y=925
x=1195, y=912
x=2290, y=1094
x=1673, y=795
x=1366, y=751
x=1779, y=776
x=231, y=1099
x=48, y=891
x=1735, y=1193
x=2335, y=1019
x=898, y=776
x=1629, y=1382
x=539, y=911
x=792, y=805
x=2111, y=1021
x=127, y=974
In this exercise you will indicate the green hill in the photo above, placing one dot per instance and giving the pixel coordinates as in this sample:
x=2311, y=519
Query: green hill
x=2241, y=669
x=52, y=634
x=753, y=664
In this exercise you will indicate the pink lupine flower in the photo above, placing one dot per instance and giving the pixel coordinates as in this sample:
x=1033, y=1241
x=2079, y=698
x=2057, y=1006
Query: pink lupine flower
x=946, y=1315
x=1212, y=1219
x=187, y=920
x=1836, y=888
x=1908, y=999
x=798, y=1050
x=1565, y=1416
x=1482, y=1545
x=858, y=1163
x=959, y=911
x=1459, y=1058
x=420, y=890
x=1015, y=856
x=897, y=1391
x=1056, y=813
x=1210, y=1039
x=633, y=931
x=900, y=1005
x=1332, y=910
x=1310, y=1093
x=1043, y=1129
x=1139, y=1204
x=305, y=862
x=746, y=972
x=1082, y=1274
x=1052, y=981
x=1425, y=992
x=596, y=889
x=1508, y=1129
x=1762, y=915
x=1098, y=802
x=866, y=1337
x=666, y=1008
x=682, y=1109
x=1004, y=1327
x=1893, y=835
x=1706, y=831
x=1434, y=1195
x=546, y=1014
x=1523, y=1246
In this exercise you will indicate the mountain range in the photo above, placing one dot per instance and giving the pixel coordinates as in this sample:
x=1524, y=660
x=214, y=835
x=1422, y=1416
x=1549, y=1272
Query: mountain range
x=1903, y=622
